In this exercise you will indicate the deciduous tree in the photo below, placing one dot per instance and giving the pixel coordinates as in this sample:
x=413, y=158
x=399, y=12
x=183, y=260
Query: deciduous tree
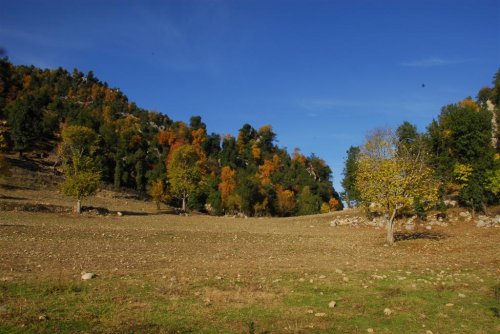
x=82, y=179
x=393, y=178
x=183, y=173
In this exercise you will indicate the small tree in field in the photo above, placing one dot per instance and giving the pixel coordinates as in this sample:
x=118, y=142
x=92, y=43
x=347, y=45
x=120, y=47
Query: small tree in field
x=393, y=177
x=183, y=173
x=158, y=191
x=82, y=179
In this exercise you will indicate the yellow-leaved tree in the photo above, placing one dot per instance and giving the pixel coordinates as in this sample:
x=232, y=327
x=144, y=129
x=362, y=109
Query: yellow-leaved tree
x=183, y=173
x=158, y=191
x=393, y=176
x=81, y=177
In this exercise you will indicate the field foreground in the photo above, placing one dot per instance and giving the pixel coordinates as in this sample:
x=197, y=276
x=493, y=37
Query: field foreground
x=199, y=274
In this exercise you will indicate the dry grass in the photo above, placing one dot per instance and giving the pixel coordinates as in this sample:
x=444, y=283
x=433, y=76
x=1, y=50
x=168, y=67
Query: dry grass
x=173, y=274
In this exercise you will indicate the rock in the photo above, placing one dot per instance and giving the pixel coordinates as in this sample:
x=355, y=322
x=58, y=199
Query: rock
x=465, y=215
x=322, y=277
x=333, y=223
x=119, y=214
x=428, y=228
x=449, y=304
x=320, y=314
x=387, y=311
x=43, y=317
x=428, y=332
x=450, y=203
x=482, y=223
x=461, y=295
x=87, y=276
x=332, y=304
x=309, y=311
x=338, y=271
x=410, y=227
x=345, y=279
x=370, y=330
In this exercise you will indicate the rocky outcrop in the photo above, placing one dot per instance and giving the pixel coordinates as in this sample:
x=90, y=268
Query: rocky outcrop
x=413, y=223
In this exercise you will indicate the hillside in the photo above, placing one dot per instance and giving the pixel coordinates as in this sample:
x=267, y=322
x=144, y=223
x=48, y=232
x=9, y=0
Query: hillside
x=247, y=173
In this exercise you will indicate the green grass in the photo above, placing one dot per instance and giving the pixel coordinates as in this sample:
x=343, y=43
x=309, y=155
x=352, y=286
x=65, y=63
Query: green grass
x=126, y=306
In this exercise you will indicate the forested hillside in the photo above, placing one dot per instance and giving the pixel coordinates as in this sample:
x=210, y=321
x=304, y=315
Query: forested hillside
x=145, y=150
x=461, y=147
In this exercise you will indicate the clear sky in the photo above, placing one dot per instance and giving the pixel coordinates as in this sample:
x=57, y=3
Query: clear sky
x=322, y=73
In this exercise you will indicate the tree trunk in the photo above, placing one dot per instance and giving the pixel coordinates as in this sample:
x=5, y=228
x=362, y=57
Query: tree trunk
x=79, y=206
x=390, y=228
x=184, y=203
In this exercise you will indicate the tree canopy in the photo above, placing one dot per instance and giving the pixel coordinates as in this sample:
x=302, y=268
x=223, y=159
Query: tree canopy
x=134, y=147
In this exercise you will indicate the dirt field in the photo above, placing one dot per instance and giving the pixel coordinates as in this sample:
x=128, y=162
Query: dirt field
x=173, y=274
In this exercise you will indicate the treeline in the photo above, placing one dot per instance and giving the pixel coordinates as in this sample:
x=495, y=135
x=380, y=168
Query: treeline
x=135, y=148
x=461, y=147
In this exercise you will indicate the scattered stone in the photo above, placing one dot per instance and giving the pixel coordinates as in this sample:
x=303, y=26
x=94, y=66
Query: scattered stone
x=332, y=304
x=87, y=276
x=218, y=278
x=338, y=271
x=320, y=314
x=345, y=279
x=465, y=215
x=387, y=311
x=322, y=277
x=449, y=304
x=461, y=295
x=370, y=330
x=410, y=227
x=485, y=221
x=428, y=332
x=43, y=317
x=119, y=214
x=428, y=228
x=450, y=203
x=207, y=301
x=309, y=311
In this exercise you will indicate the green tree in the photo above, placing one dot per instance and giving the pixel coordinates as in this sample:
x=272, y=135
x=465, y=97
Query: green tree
x=82, y=179
x=392, y=178
x=351, y=193
x=307, y=202
x=25, y=117
x=183, y=173
x=4, y=166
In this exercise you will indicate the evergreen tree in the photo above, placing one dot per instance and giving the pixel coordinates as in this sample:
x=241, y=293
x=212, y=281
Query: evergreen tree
x=351, y=193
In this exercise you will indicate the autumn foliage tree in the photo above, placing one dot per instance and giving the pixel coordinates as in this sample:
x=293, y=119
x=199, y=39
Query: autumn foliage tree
x=81, y=178
x=183, y=173
x=393, y=178
x=243, y=174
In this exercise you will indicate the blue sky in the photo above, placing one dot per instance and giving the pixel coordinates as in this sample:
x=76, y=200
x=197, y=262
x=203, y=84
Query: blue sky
x=322, y=73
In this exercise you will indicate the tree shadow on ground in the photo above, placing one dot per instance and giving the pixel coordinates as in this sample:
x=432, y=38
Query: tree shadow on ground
x=13, y=198
x=401, y=236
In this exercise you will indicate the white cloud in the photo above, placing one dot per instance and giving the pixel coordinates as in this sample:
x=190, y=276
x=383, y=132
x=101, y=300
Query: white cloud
x=431, y=62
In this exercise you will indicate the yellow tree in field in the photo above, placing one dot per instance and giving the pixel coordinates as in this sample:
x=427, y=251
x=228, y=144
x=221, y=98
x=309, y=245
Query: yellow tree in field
x=158, y=191
x=81, y=178
x=183, y=173
x=393, y=177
